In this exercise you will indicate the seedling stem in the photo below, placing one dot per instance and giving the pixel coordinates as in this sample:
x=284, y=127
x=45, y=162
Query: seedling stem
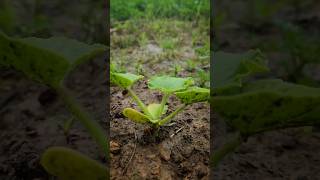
x=172, y=115
x=139, y=102
x=163, y=103
x=92, y=126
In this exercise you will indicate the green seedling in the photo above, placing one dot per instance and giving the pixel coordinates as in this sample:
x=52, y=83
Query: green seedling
x=204, y=77
x=253, y=106
x=191, y=65
x=49, y=61
x=154, y=114
x=139, y=68
x=176, y=70
x=168, y=43
x=143, y=39
x=303, y=50
x=67, y=126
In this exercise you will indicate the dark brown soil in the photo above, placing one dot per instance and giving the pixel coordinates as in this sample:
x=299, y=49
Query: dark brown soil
x=290, y=154
x=136, y=154
x=31, y=119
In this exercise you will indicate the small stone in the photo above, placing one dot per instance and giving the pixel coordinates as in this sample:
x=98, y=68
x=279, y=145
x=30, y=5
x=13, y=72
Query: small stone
x=151, y=156
x=155, y=169
x=165, y=152
x=187, y=151
x=114, y=147
x=201, y=170
x=153, y=49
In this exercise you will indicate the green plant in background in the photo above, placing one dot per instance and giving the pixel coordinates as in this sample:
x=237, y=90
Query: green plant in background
x=139, y=69
x=49, y=61
x=7, y=16
x=303, y=51
x=168, y=43
x=203, y=52
x=187, y=9
x=152, y=114
x=252, y=106
x=191, y=65
x=143, y=39
x=261, y=12
x=176, y=70
x=204, y=78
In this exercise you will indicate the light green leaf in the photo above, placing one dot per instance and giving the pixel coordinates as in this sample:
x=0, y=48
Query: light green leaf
x=230, y=70
x=269, y=104
x=194, y=95
x=154, y=109
x=135, y=115
x=125, y=80
x=169, y=84
x=68, y=164
x=45, y=60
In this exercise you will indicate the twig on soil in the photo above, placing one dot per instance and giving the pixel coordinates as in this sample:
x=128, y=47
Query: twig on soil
x=133, y=153
x=169, y=125
x=177, y=131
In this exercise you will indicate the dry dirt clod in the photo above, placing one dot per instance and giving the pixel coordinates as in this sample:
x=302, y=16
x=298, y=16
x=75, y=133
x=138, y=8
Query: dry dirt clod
x=155, y=169
x=201, y=170
x=114, y=147
x=187, y=151
x=165, y=151
x=151, y=156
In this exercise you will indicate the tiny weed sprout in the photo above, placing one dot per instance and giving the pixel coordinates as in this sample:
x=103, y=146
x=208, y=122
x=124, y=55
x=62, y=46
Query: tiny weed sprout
x=155, y=113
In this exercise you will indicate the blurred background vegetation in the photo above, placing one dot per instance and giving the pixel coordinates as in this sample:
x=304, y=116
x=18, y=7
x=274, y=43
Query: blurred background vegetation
x=287, y=31
x=41, y=18
x=182, y=9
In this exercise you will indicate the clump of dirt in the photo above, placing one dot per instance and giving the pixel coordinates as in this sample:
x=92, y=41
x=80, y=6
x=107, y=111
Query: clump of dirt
x=181, y=151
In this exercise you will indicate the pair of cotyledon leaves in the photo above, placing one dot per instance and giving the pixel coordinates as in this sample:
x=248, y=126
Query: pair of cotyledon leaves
x=182, y=87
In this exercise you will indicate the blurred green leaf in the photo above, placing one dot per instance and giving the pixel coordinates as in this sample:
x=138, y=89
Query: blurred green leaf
x=194, y=95
x=125, y=80
x=269, y=104
x=68, y=164
x=230, y=70
x=45, y=60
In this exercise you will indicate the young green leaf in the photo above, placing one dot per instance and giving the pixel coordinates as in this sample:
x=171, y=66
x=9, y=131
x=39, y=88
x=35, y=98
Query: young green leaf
x=45, y=60
x=230, y=70
x=194, y=95
x=269, y=104
x=135, y=115
x=68, y=164
x=169, y=84
x=154, y=109
x=125, y=80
